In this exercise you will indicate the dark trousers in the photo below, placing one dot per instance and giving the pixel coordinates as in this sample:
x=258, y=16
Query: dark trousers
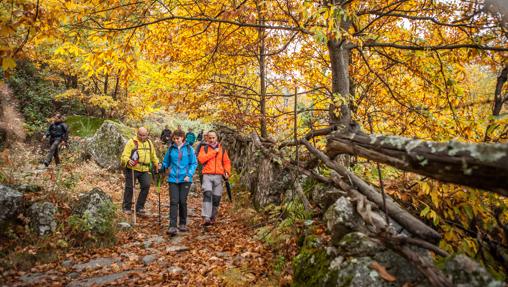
x=178, y=202
x=53, y=151
x=144, y=181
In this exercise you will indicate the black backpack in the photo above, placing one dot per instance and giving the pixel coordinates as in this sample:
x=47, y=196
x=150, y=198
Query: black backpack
x=58, y=130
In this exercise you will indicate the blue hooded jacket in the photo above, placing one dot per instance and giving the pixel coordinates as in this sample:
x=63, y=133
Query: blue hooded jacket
x=190, y=138
x=180, y=163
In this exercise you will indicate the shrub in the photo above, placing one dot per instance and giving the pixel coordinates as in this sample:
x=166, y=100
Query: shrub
x=99, y=230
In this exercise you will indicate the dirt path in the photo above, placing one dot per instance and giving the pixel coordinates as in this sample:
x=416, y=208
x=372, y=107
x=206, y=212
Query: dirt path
x=10, y=118
x=225, y=255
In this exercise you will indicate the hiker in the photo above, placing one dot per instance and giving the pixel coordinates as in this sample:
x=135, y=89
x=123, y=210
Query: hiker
x=198, y=148
x=216, y=168
x=200, y=136
x=137, y=156
x=58, y=134
x=190, y=137
x=166, y=135
x=181, y=161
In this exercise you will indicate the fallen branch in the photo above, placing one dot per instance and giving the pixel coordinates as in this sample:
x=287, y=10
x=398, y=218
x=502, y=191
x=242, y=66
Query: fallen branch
x=482, y=166
x=309, y=136
x=404, y=218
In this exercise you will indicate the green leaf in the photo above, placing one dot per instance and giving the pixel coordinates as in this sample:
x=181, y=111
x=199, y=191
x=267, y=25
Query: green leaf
x=469, y=211
x=425, y=211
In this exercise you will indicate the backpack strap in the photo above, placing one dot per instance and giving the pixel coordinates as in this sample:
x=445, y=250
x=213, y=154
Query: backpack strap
x=189, y=156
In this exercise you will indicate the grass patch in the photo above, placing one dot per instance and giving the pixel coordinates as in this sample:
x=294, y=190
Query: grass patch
x=83, y=126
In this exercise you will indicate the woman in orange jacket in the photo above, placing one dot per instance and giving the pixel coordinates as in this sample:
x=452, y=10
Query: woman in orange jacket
x=216, y=168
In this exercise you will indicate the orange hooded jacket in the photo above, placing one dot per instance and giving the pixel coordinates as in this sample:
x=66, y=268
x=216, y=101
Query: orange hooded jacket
x=214, y=162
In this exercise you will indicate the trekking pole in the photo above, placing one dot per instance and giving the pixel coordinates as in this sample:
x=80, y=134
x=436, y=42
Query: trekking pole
x=157, y=177
x=134, y=197
x=159, y=194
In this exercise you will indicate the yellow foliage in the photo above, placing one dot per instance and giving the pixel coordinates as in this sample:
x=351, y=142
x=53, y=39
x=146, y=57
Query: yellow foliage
x=71, y=94
x=103, y=102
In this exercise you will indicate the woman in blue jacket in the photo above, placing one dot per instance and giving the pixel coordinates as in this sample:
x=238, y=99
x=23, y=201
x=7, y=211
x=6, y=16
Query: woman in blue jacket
x=181, y=162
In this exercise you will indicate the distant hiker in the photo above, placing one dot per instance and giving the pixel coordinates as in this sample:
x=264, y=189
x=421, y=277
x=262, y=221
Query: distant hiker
x=58, y=134
x=216, y=168
x=198, y=148
x=137, y=156
x=190, y=137
x=200, y=136
x=166, y=135
x=181, y=161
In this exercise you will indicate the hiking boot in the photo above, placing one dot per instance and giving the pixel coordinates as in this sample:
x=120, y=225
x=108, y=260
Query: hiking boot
x=183, y=228
x=142, y=213
x=127, y=212
x=212, y=221
x=207, y=222
x=172, y=231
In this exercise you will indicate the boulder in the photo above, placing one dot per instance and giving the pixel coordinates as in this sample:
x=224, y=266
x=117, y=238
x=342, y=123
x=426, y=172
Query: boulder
x=341, y=219
x=106, y=146
x=11, y=203
x=358, y=244
x=42, y=218
x=356, y=272
x=466, y=272
x=325, y=196
x=311, y=266
x=28, y=188
x=92, y=206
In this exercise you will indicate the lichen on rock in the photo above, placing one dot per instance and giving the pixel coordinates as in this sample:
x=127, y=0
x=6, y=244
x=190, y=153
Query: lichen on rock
x=107, y=145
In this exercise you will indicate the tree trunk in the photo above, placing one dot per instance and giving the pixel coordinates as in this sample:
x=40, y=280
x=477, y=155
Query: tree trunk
x=115, y=92
x=262, y=72
x=482, y=166
x=106, y=84
x=339, y=64
x=499, y=99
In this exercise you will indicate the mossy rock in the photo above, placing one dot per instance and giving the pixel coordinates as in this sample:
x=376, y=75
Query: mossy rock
x=469, y=273
x=311, y=265
x=107, y=145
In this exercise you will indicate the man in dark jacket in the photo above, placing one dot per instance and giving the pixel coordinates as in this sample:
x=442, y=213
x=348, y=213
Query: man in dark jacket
x=200, y=136
x=166, y=135
x=58, y=133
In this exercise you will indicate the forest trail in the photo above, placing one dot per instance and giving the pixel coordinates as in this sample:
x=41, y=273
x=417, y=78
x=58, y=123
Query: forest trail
x=10, y=118
x=226, y=254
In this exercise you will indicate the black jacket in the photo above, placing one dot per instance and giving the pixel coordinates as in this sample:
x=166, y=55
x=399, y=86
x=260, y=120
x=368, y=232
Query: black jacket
x=58, y=130
x=166, y=136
